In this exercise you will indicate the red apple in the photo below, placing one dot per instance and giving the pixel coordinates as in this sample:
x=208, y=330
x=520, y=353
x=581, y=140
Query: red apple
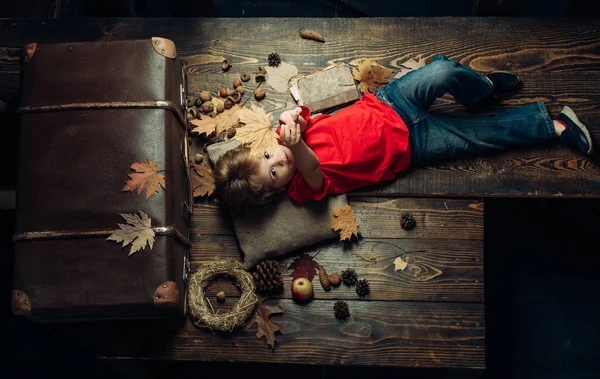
x=302, y=289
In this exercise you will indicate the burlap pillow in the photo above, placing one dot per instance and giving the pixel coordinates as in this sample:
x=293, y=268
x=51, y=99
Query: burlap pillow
x=281, y=226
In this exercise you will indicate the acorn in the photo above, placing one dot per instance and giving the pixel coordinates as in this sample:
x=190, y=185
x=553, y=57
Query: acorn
x=231, y=92
x=228, y=103
x=193, y=112
x=231, y=132
x=205, y=96
x=225, y=65
x=198, y=158
x=190, y=101
x=240, y=90
x=220, y=108
x=189, y=117
x=223, y=92
x=245, y=77
x=236, y=97
x=221, y=297
x=260, y=78
x=237, y=83
x=261, y=71
x=208, y=107
x=259, y=93
x=335, y=279
x=198, y=102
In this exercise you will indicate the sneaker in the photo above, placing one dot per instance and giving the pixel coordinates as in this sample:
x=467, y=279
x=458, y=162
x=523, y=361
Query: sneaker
x=575, y=134
x=504, y=83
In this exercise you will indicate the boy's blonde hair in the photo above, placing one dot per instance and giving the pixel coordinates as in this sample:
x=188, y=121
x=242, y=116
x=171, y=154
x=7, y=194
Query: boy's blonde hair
x=236, y=179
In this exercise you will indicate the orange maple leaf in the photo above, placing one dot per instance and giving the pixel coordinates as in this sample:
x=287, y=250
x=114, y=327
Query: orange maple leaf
x=371, y=75
x=146, y=177
x=344, y=221
x=220, y=121
x=203, y=179
x=257, y=130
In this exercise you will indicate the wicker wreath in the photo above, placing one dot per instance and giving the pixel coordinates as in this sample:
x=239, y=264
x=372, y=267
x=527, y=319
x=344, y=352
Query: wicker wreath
x=201, y=315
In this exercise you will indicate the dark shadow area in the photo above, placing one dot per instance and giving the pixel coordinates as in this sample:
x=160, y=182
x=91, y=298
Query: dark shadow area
x=296, y=8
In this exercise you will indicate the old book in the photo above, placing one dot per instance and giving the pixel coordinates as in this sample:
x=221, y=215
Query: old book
x=326, y=89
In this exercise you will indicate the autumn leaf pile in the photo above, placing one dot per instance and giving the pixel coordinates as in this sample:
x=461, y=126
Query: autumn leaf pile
x=222, y=121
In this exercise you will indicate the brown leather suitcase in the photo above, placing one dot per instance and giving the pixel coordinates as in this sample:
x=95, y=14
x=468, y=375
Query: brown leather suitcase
x=89, y=111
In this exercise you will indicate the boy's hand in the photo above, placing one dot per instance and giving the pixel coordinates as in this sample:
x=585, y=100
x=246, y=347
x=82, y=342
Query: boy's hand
x=292, y=117
x=289, y=136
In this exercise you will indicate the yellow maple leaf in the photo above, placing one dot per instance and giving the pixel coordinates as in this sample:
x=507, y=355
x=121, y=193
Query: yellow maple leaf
x=138, y=232
x=344, y=221
x=203, y=179
x=146, y=177
x=257, y=130
x=221, y=121
x=371, y=75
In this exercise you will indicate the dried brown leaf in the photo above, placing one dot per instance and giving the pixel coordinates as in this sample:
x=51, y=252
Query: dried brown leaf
x=344, y=221
x=370, y=75
x=279, y=77
x=304, y=267
x=408, y=66
x=257, y=130
x=138, y=232
x=222, y=121
x=400, y=264
x=203, y=179
x=146, y=177
x=266, y=327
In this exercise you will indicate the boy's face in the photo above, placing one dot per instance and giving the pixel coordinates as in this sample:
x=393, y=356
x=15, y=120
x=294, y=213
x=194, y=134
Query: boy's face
x=276, y=168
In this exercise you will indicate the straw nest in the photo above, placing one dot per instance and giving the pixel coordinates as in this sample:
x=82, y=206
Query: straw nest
x=199, y=310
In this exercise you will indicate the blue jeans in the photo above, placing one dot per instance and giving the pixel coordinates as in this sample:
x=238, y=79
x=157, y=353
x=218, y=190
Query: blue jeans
x=436, y=138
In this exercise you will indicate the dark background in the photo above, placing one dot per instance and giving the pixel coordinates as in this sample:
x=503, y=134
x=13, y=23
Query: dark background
x=542, y=256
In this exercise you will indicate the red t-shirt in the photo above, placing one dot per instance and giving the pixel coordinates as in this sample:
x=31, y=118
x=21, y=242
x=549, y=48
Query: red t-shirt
x=365, y=143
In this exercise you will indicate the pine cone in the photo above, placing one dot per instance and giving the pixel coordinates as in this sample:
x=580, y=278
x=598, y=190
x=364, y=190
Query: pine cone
x=231, y=132
x=268, y=276
x=408, y=221
x=324, y=278
x=341, y=310
x=349, y=277
x=274, y=59
x=362, y=287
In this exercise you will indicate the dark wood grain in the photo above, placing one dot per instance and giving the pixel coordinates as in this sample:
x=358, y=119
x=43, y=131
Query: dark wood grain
x=379, y=333
x=438, y=270
x=379, y=218
x=444, y=251
x=558, y=59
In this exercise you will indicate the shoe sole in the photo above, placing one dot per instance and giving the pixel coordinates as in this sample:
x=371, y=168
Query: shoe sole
x=519, y=85
x=570, y=114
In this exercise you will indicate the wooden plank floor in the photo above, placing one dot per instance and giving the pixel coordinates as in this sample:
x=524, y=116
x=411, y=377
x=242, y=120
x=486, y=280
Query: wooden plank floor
x=431, y=314
x=558, y=60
